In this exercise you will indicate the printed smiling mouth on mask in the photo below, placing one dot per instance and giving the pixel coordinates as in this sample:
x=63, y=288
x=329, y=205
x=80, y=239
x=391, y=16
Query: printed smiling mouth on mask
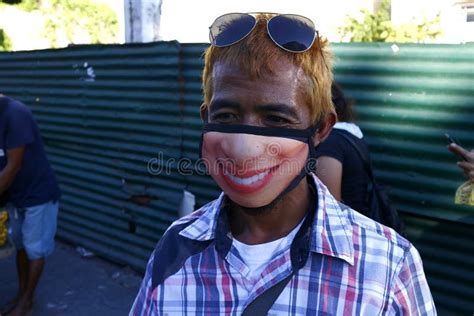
x=301, y=135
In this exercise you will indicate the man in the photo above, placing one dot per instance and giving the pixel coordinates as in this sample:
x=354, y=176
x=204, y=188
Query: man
x=275, y=241
x=33, y=198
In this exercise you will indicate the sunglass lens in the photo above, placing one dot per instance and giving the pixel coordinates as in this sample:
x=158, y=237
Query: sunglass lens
x=292, y=32
x=230, y=28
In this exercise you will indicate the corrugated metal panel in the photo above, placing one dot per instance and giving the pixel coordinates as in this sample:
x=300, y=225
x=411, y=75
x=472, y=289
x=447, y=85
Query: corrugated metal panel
x=192, y=62
x=104, y=112
x=144, y=100
x=406, y=99
x=447, y=251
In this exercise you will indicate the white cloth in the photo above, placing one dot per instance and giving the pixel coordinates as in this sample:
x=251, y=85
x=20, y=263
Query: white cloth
x=256, y=257
x=349, y=127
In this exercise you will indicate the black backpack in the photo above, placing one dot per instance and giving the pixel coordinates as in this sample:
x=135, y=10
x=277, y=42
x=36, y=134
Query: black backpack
x=381, y=208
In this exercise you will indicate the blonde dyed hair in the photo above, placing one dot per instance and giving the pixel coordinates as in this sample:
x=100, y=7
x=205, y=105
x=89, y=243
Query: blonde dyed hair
x=257, y=54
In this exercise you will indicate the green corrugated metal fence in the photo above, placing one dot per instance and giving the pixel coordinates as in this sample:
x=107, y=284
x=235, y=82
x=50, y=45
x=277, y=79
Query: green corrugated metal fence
x=406, y=101
x=106, y=112
x=202, y=186
x=447, y=251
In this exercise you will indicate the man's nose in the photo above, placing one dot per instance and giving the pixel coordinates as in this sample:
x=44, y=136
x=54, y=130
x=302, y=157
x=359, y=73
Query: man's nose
x=243, y=148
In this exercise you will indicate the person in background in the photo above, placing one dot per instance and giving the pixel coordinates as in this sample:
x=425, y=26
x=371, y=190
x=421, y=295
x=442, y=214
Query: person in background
x=467, y=165
x=33, y=195
x=339, y=165
x=275, y=241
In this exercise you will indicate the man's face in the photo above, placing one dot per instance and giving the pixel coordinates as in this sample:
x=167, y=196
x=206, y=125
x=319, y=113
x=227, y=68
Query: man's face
x=253, y=170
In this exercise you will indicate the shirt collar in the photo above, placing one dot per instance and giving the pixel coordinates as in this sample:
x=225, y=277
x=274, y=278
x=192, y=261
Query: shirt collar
x=204, y=227
x=330, y=229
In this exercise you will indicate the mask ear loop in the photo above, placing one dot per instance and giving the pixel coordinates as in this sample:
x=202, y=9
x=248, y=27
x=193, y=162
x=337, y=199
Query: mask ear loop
x=307, y=168
x=201, y=139
x=200, y=145
x=312, y=163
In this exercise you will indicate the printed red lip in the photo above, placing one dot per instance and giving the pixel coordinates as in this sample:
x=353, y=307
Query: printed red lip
x=249, y=188
x=243, y=173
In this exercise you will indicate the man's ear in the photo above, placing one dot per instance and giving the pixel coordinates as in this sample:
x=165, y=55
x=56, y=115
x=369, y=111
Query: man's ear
x=325, y=128
x=204, y=112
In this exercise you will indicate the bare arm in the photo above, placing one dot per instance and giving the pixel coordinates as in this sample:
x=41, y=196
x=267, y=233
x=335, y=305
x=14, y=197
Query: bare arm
x=329, y=171
x=7, y=175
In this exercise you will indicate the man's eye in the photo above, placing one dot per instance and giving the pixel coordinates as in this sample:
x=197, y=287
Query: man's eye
x=224, y=117
x=277, y=119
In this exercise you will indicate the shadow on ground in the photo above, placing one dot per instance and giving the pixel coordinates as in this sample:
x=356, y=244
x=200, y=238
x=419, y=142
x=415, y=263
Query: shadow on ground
x=75, y=285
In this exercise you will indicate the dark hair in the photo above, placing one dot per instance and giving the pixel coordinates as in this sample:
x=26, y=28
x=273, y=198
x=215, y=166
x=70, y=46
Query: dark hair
x=342, y=105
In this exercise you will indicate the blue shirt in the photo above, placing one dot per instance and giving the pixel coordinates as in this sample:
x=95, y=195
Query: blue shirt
x=35, y=183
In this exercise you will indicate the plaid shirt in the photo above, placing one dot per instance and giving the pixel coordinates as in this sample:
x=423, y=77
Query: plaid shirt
x=355, y=266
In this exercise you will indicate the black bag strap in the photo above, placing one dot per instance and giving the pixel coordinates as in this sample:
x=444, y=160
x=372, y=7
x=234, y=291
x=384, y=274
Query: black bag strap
x=262, y=304
x=362, y=155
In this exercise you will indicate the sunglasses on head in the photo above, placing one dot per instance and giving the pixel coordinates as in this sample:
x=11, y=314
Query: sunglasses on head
x=291, y=32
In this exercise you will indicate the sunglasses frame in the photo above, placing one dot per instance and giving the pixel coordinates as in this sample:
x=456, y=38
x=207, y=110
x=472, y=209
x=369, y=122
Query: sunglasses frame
x=253, y=15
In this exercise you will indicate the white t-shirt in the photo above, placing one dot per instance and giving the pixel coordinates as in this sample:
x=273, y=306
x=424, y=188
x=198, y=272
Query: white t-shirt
x=256, y=257
x=349, y=127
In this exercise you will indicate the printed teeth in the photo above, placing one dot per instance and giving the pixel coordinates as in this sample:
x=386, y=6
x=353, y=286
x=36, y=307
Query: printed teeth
x=249, y=180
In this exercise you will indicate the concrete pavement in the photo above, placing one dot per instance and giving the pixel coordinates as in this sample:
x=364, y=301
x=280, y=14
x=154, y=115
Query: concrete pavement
x=73, y=285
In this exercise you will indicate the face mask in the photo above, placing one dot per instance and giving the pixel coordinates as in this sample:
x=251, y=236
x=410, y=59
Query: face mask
x=300, y=135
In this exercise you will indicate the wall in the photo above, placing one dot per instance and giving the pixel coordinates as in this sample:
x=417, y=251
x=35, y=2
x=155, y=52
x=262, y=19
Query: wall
x=117, y=119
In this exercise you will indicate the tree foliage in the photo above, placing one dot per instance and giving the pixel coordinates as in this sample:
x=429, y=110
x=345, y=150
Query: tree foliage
x=5, y=42
x=72, y=21
x=377, y=27
x=76, y=18
x=25, y=5
x=29, y=5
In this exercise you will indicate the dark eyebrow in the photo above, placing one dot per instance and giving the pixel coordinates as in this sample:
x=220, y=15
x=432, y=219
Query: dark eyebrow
x=218, y=104
x=278, y=108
